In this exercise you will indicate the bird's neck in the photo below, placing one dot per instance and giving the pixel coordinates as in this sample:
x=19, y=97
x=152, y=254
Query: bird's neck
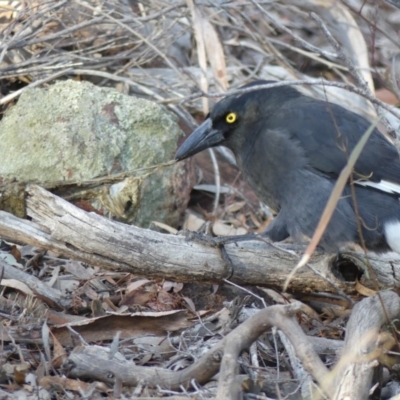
x=268, y=164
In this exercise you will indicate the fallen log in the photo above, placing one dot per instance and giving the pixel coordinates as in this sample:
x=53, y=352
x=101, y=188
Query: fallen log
x=59, y=226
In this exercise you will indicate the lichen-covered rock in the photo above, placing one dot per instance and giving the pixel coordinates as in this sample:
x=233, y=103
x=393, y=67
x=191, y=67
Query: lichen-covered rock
x=77, y=131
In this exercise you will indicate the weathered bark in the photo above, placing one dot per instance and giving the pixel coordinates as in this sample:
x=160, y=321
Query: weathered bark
x=49, y=295
x=362, y=347
x=94, y=363
x=284, y=318
x=59, y=226
x=350, y=378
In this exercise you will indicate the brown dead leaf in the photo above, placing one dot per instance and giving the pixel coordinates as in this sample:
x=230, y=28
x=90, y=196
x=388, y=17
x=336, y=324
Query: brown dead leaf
x=110, y=280
x=59, y=318
x=97, y=308
x=125, y=279
x=54, y=277
x=109, y=305
x=78, y=270
x=190, y=304
x=364, y=290
x=165, y=301
x=18, y=371
x=92, y=294
x=387, y=96
x=255, y=220
x=19, y=376
x=201, y=51
x=16, y=253
x=235, y=207
x=221, y=229
x=209, y=47
x=137, y=284
x=215, y=52
x=18, y=285
x=165, y=227
x=264, y=225
x=286, y=298
x=277, y=297
x=41, y=371
x=193, y=223
x=130, y=325
x=59, y=353
x=54, y=382
x=140, y=297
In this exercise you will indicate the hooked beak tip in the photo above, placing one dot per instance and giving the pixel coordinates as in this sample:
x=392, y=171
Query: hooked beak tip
x=201, y=138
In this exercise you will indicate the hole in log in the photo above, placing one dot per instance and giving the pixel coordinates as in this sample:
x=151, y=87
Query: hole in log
x=345, y=269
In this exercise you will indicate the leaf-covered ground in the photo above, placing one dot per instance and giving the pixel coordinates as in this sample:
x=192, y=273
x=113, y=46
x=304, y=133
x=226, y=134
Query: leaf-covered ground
x=157, y=50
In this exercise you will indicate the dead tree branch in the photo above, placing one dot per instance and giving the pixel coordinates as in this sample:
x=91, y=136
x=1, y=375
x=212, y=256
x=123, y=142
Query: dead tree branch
x=88, y=237
x=363, y=346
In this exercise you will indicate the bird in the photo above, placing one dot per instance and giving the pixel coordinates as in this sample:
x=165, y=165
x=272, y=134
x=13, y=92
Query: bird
x=291, y=149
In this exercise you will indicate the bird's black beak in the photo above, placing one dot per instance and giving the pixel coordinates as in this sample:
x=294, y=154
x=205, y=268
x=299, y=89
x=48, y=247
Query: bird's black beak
x=201, y=138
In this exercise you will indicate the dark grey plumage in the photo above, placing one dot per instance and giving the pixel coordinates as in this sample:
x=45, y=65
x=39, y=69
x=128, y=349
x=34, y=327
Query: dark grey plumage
x=291, y=149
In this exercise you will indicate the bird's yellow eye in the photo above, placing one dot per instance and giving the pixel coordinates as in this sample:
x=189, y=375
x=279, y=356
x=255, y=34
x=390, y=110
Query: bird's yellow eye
x=231, y=118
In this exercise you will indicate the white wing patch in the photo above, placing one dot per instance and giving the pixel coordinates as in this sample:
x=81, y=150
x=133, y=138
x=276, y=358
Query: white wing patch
x=392, y=234
x=384, y=186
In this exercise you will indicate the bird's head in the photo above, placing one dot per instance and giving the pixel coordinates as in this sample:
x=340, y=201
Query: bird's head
x=233, y=119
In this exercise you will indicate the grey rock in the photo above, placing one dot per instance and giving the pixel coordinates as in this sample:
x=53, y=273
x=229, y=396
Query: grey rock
x=77, y=131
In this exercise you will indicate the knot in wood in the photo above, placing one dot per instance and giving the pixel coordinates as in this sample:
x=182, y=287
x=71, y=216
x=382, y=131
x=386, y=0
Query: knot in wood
x=67, y=366
x=217, y=356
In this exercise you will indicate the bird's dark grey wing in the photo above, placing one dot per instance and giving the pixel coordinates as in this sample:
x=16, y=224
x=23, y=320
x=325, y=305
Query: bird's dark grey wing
x=328, y=133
